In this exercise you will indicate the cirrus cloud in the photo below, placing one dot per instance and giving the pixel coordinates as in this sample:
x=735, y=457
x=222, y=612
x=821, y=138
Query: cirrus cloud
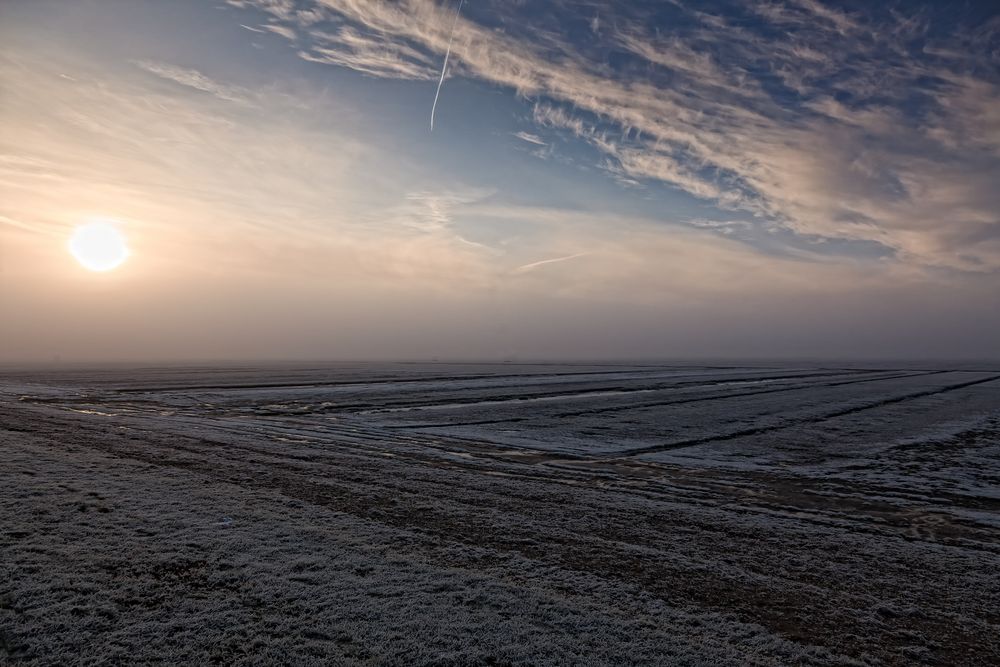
x=876, y=125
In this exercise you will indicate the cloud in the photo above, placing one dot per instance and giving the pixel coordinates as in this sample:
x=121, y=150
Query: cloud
x=530, y=138
x=287, y=188
x=349, y=47
x=531, y=266
x=284, y=224
x=860, y=126
x=192, y=78
x=726, y=227
x=282, y=30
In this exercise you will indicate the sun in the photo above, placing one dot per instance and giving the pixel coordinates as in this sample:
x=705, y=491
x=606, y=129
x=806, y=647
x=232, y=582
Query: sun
x=98, y=246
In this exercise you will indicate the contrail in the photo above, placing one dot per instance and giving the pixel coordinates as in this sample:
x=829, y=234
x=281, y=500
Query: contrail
x=444, y=67
x=534, y=265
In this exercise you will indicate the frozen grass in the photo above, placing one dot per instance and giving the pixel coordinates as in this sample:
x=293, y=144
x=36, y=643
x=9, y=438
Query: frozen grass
x=184, y=522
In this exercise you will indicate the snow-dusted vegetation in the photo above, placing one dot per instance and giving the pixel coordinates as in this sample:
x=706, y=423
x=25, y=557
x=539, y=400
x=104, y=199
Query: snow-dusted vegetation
x=519, y=514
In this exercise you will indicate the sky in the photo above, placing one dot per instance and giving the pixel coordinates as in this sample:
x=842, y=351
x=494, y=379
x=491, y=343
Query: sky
x=614, y=180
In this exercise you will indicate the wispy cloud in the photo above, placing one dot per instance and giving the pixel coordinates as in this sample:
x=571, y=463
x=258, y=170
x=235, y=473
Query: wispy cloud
x=799, y=113
x=283, y=30
x=373, y=55
x=530, y=138
x=192, y=78
x=298, y=220
x=524, y=268
x=195, y=178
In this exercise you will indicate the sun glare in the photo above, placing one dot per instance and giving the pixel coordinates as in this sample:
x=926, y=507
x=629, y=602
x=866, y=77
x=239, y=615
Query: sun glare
x=98, y=246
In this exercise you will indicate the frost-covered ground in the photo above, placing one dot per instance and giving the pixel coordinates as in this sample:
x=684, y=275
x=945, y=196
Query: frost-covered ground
x=513, y=514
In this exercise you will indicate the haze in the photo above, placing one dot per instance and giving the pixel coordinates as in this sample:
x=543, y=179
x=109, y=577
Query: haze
x=714, y=180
